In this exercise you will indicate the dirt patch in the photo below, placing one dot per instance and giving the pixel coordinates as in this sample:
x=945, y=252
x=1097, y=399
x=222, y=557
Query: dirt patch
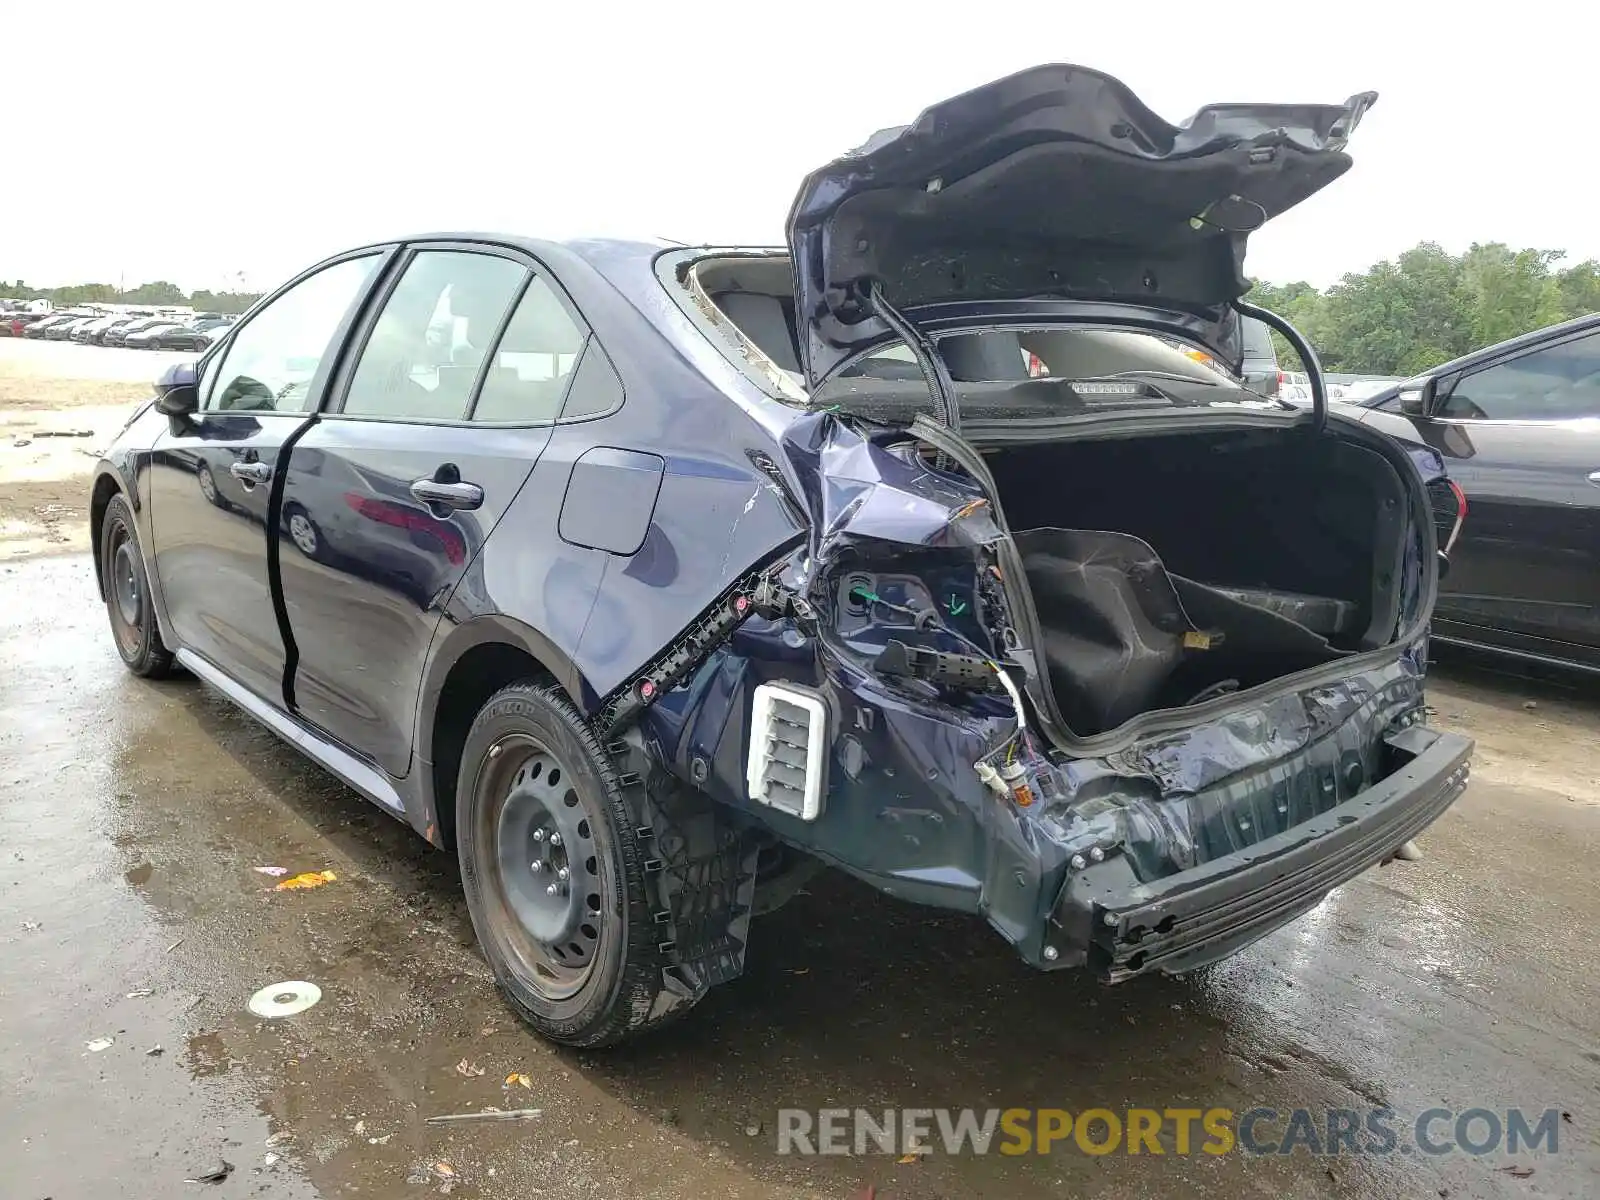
x=53, y=429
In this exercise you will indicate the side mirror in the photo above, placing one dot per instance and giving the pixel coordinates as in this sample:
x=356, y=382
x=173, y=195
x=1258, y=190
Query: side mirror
x=178, y=390
x=1418, y=402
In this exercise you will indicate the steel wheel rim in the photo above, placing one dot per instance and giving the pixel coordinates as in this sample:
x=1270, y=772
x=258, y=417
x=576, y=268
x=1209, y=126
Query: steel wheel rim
x=124, y=591
x=303, y=533
x=538, y=827
x=208, y=485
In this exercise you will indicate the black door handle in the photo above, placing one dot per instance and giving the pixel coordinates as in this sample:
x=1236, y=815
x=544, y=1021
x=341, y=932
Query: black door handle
x=454, y=496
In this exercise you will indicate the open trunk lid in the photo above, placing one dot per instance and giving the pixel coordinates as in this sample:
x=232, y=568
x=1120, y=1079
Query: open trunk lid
x=1055, y=186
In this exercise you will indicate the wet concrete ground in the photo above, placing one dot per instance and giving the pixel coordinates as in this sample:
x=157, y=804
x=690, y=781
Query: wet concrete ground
x=131, y=816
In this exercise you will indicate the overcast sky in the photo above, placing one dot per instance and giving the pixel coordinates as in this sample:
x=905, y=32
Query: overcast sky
x=194, y=142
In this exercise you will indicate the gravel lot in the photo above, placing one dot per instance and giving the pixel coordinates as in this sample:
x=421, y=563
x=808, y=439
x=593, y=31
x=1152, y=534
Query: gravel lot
x=59, y=403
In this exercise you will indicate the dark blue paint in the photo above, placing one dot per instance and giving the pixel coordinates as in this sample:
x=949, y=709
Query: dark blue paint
x=610, y=499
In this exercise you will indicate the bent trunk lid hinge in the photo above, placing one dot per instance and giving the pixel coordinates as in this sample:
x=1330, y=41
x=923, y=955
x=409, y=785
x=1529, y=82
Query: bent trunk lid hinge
x=1308, y=358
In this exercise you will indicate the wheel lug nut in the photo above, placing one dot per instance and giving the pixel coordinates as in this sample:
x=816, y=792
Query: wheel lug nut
x=562, y=873
x=536, y=866
x=538, y=835
x=551, y=890
x=555, y=839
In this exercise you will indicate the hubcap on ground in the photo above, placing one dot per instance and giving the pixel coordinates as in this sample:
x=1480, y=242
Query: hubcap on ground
x=303, y=533
x=545, y=857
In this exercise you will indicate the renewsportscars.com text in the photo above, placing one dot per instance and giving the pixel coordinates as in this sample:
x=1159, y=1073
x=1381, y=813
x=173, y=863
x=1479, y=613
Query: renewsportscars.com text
x=1176, y=1131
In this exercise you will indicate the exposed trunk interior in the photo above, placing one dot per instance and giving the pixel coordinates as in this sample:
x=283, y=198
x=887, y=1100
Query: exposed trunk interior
x=1170, y=569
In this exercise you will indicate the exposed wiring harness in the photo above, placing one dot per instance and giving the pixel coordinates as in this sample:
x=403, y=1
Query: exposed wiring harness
x=927, y=618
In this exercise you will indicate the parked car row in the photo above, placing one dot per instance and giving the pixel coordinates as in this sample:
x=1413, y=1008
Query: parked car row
x=136, y=330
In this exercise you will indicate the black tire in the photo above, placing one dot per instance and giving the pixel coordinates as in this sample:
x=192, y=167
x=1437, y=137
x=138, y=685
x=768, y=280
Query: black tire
x=523, y=732
x=127, y=595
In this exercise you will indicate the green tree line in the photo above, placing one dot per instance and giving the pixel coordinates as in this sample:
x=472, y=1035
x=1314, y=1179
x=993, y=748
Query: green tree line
x=159, y=292
x=1427, y=307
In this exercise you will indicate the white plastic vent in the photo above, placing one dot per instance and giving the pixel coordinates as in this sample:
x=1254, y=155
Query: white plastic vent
x=788, y=750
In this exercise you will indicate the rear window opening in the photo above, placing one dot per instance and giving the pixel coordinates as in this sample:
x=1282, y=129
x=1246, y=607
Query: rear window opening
x=1000, y=374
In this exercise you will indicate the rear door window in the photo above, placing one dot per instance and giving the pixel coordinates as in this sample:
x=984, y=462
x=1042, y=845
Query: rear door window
x=429, y=343
x=534, y=363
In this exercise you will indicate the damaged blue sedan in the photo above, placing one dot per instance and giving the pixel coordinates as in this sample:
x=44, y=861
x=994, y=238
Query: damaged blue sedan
x=647, y=579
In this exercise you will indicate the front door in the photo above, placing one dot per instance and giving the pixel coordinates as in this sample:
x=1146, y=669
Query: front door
x=211, y=479
x=1522, y=438
x=426, y=439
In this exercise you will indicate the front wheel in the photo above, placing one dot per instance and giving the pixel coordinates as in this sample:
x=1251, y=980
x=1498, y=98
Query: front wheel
x=127, y=595
x=554, y=873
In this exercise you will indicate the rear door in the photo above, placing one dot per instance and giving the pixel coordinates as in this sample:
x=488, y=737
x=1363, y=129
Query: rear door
x=426, y=439
x=211, y=475
x=1521, y=435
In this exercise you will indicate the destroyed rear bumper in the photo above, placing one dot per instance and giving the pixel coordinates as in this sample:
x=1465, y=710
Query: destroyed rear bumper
x=1121, y=928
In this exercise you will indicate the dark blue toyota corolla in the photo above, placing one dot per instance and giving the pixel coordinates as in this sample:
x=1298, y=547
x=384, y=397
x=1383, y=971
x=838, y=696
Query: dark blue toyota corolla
x=649, y=579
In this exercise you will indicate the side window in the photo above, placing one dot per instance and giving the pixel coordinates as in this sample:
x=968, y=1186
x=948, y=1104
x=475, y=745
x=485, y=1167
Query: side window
x=432, y=336
x=534, y=361
x=270, y=360
x=1554, y=384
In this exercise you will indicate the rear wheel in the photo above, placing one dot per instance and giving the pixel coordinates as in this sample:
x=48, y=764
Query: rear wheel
x=554, y=873
x=127, y=595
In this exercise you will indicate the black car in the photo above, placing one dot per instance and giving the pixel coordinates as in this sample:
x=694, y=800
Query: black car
x=649, y=577
x=196, y=338
x=1518, y=425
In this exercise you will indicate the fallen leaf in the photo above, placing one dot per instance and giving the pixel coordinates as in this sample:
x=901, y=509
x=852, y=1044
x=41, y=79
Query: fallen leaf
x=1517, y=1172
x=360, y=1129
x=275, y=872
x=801, y=971
x=141, y=993
x=907, y=1158
x=445, y=1169
x=99, y=1044
x=518, y=1079
x=311, y=879
x=268, y=1160
x=279, y=1139
x=380, y=1141
x=468, y=1069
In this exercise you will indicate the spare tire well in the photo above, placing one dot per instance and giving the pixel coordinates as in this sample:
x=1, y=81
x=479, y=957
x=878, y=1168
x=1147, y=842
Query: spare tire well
x=477, y=675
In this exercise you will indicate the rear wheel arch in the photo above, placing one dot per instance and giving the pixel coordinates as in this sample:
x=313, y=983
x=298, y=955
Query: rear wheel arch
x=477, y=660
